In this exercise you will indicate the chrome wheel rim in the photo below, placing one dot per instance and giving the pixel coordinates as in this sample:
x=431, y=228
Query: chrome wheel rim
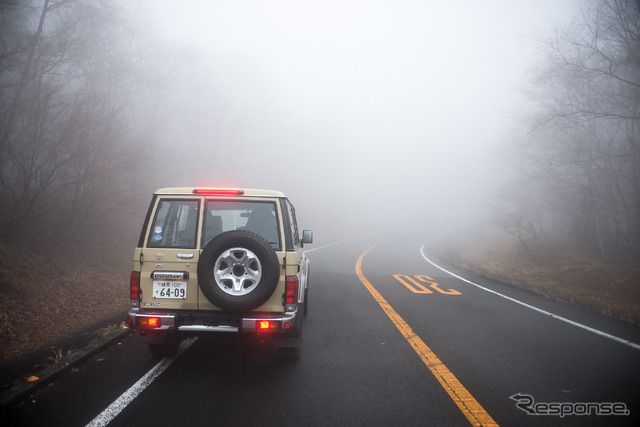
x=237, y=271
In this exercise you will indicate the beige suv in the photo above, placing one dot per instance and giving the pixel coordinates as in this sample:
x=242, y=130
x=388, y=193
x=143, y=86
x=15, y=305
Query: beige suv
x=213, y=260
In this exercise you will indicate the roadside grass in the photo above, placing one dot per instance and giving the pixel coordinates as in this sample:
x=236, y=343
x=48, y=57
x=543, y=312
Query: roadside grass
x=559, y=271
x=59, y=355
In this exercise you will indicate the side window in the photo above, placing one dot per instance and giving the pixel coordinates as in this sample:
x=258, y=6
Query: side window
x=175, y=224
x=293, y=224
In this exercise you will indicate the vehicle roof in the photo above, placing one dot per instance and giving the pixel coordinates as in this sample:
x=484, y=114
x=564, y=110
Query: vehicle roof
x=246, y=191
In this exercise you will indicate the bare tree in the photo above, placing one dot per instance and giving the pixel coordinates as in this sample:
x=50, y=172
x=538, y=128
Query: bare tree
x=67, y=143
x=584, y=141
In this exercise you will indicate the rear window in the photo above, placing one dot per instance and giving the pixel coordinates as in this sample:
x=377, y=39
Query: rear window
x=259, y=217
x=175, y=224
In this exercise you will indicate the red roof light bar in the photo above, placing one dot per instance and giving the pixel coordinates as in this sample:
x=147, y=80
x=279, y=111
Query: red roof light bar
x=218, y=191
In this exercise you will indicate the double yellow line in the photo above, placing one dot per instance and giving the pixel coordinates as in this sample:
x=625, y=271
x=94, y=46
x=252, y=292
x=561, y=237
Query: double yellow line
x=470, y=407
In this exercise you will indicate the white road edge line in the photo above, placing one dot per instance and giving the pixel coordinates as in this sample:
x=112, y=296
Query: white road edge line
x=127, y=397
x=539, y=310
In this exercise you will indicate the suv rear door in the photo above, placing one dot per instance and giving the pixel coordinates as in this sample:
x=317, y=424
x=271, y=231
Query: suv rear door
x=169, y=254
x=259, y=215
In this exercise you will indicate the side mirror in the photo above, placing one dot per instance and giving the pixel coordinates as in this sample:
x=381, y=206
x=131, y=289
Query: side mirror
x=307, y=237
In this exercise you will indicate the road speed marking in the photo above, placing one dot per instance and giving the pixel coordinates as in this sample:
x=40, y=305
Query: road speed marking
x=419, y=287
x=469, y=406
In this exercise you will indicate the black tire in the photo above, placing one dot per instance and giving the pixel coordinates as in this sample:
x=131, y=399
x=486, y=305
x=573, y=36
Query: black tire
x=238, y=271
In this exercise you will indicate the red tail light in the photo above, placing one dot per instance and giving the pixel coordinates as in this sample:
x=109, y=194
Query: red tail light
x=265, y=325
x=134, y=285
x=291, y=293
x=150, y=322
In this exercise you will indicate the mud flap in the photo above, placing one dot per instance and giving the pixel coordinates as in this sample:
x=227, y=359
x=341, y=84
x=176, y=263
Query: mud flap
x=289, y=347
x=293, y=337
x=285, y=341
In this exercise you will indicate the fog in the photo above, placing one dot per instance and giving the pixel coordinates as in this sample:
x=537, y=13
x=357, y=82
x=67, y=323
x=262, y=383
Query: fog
x=366, y=114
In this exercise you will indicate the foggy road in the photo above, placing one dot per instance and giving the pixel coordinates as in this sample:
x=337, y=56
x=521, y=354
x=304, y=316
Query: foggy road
x=519, y=119
x=390, y=339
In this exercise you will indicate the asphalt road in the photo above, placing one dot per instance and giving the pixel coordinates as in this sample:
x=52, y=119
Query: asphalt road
x=391, y=339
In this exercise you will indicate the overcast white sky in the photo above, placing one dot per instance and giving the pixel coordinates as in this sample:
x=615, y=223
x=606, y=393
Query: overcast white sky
x=325, y=97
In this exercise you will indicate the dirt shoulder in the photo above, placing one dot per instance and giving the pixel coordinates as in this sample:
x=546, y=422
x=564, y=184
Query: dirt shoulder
x=557, y=271
x=44, y=298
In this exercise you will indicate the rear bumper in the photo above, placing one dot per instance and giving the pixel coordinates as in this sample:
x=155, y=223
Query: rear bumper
x=210, y=321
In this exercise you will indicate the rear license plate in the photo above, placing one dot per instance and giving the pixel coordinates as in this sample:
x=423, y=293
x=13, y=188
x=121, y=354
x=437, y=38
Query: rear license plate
x=176, y=289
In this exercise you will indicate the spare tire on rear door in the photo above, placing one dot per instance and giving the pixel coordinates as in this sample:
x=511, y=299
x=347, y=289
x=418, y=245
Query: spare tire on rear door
x=238, y=271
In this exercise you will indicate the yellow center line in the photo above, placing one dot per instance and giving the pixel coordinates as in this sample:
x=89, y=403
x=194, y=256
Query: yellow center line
x=469, y=406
